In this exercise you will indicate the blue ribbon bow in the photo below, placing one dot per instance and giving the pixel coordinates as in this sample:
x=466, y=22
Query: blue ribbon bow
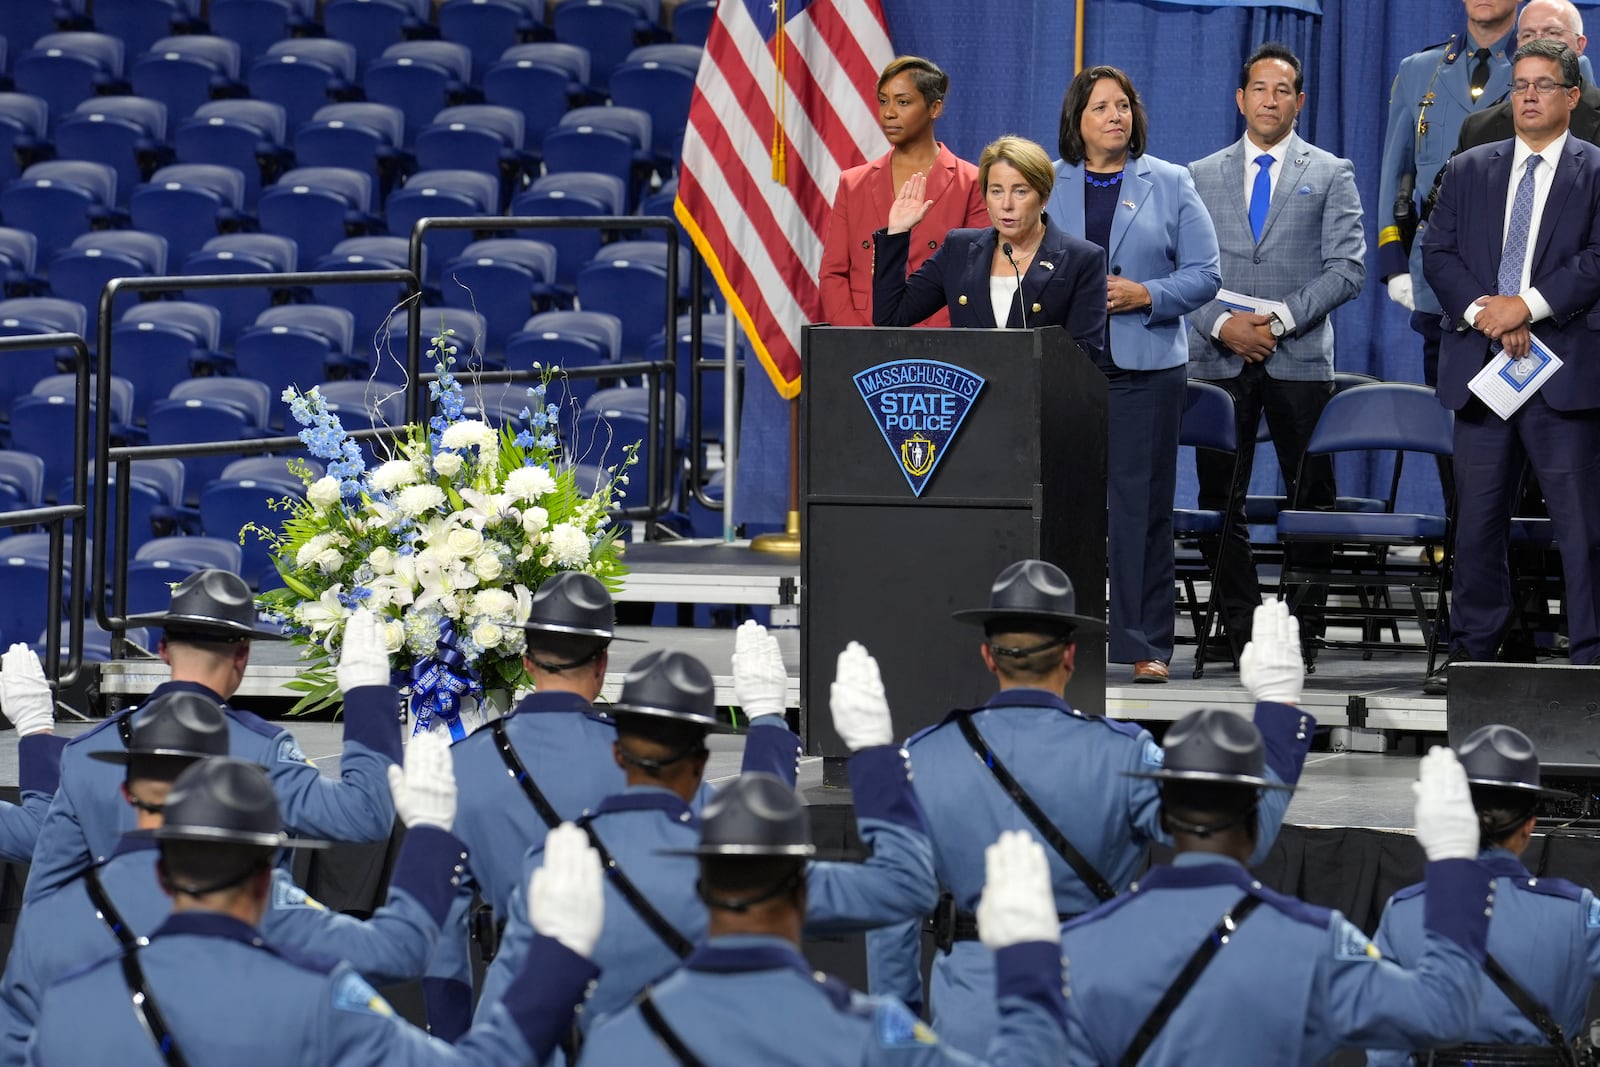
x=439, y=683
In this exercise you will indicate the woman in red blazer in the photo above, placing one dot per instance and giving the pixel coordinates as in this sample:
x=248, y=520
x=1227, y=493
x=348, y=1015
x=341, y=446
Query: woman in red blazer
x=910, y=97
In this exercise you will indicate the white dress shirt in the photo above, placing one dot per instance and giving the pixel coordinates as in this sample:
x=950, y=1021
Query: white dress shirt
x=1001, y=289
x=1543, y=177
x=1252, y=152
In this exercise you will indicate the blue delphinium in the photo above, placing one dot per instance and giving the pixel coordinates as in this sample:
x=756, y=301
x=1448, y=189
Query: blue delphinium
x=444, y=391
x=326, y=439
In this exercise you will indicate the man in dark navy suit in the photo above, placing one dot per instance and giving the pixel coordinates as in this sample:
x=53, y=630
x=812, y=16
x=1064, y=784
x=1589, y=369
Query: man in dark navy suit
x=1537, y=271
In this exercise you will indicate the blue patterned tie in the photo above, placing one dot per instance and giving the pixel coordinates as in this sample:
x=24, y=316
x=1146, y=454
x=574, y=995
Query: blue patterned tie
x=1516, y=246
x=1261, y=195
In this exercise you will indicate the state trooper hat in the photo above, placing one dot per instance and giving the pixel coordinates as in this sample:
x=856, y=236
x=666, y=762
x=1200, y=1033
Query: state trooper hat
x=1031, y=591
x=212, y=605
x=225, y=801
x=1502, y=757
x=757, y=814
x=176, y=726
x=1214, y=747
x=571, y=602
x=669, y=685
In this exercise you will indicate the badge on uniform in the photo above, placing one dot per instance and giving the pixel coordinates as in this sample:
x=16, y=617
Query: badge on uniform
x=919, y=405
x=352, y=993
x=898, y=1028
x=289, y=752
x=1351, y=944
x=285, y=894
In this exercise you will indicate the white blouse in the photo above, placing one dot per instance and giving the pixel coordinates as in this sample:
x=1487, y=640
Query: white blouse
x=1001, y=290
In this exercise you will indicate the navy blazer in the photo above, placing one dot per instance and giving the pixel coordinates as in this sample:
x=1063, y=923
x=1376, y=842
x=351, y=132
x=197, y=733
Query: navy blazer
x=1461, y=258
x=1064, y=286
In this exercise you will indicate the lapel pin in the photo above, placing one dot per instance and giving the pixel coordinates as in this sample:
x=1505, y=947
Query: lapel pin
x=1127, y=203
x=1047, y=265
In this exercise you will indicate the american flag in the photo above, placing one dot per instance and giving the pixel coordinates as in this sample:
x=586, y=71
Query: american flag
x=757, y=179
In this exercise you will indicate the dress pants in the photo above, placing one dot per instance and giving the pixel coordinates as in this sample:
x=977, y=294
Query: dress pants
x=1564, y=449
x=1145, y=412
x=1292, y=409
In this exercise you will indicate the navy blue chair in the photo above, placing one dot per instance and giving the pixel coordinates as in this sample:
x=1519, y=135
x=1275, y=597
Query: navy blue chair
x=188, y=204
x=29, y=20
x=567, y=340
x=484, y=27
x=712, y=382
x=208, y=409
x=610, y=140
x=629, y=280
x=683, y=56
x=157, y=344
x=259, y=24
x=540, y=91
x=609, y=29
x=19, y=260
x=420, y=78
x=23, y=472
x=318, y=207
x=612, y=420
x=60, y=199
x=691, y=21
x=141, y=23
x=247, y=135
x=362, y=136
x=572, y=58
x=371, y=304
x=503, y=278
x=579, y=194
x=367, y=405
x=66, y=68
x=441, y=193
x=662, y=90
x=272, y=468
x=299, y=344
x=80, y=271
x=1208, y=423
x=185, y=72
x=228, y=505
x=23, y=368
x=127, y=133
x=303, y=74
x=481, y=137
x=149, y=512
x=24, y=131
x=242, y=253
x=373, y=25
x=25, y=583
x=162, y=562
x=469, y=340
x=46, y=425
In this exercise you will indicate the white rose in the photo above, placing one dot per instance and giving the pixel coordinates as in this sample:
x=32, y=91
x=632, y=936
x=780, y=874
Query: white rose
x=469, y=433
x=329, y=560
x=394, y=474
x=487, y=567
x=394, y=636
x=324, y=492
x=487, y=634
x=569, y=545
x=529, y=483
x=381, y=560
x=314, y=546
x=534, y=520
x=464, y=542
x=447, y=464
x=494, y=602
x=416, y=499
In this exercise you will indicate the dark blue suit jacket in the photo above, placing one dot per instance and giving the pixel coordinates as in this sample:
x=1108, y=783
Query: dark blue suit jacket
x=1461, y=258
x=1065, y=285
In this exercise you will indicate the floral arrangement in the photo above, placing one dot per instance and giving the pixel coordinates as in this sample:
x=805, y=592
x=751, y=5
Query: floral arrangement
x=444, y=542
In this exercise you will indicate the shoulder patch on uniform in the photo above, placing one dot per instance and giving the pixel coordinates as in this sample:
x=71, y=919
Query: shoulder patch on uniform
x=1151, y=754
x=289, y=751
x=896, y=1027
x=1350, y=944
x=285, y=894
x=352, y=993
x=1592, y=919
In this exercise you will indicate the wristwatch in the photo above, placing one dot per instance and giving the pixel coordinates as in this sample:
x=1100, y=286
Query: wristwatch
x=1275, y=325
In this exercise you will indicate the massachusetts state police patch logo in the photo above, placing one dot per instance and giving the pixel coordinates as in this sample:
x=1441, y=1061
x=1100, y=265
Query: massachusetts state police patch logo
x=918, y=404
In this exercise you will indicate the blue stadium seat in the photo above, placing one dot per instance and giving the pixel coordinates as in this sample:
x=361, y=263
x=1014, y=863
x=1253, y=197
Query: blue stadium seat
x=373, y=25
x=46, y=314
x=156, y=345
x=28, y=316
x=139, y=24
x=361, y=136
x=612, y=420
x=628, y=279
x=65, y=68
x=540, y=91
x=185, y=72
x=318, y=207
x=567, y=340
x=80, y=271
x=299, y=345
x=441, y=193
x=247, y=135
x=59, y=199
x=258, y=24
x=303, y=74
x=481, y=137
x=683, y=56
x=65, y=386
x=580, y=193
x=148, y=512
x=503, y=278
x=241, y=253
x=610, y=140
x=23, y=472
x=208, y=409
x=571, y=58
x=662, y=90
x=419, y=78
x=29, y=20
x=24, y=591
x=271, y=468
x=253, y=398
x=127, y=133
x=607, y=28
x=46, y=425
x=188, y=204
x=227, y=505
x=200, y=553
x=370, y=303
x=712, y=383
x=485, y=26
x=19, y=259
x=470, y=332
x=24, y=131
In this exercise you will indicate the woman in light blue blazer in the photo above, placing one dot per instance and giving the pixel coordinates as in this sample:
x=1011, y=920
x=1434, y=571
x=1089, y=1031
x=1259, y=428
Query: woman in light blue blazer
x=1161, y=252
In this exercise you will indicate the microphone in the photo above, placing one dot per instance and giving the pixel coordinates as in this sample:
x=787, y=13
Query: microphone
x=1022, y=304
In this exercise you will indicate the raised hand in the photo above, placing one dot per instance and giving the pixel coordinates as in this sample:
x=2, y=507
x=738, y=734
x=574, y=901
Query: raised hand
x=910, y=207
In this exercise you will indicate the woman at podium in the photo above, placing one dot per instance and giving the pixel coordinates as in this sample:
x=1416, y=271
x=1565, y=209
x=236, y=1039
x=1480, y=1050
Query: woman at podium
x=1020, y=272
x=911, y=92
x=1162, y=252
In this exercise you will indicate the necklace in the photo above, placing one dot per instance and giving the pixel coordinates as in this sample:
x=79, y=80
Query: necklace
x=1115, y=179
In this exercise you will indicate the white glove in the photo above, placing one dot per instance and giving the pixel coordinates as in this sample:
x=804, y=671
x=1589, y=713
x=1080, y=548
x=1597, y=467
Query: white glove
x=425, y=790
x=24, y=694
x=566, y=898
x=760, y=681
x=1400, y=291
x=1271, y=667
x=860, y=710
x=1018, y=903
x=364, y=656
x=1447, y=825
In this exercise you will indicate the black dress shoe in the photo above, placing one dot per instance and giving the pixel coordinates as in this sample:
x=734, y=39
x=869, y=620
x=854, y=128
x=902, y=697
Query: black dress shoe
x=1437, y=684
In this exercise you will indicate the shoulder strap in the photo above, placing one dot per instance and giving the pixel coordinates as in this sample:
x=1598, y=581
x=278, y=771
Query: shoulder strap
x=1052, y=835
x=668, y=1036
x=640, y=903
x=144, y=1001
x=1186, y=979
x=513, y=762
x=105, y=910
x=1524, y=1002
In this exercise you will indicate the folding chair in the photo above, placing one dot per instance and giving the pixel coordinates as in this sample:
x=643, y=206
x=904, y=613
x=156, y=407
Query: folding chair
x=1208, y=422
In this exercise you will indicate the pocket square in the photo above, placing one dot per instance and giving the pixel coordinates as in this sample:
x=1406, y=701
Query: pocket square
x=1304, y=190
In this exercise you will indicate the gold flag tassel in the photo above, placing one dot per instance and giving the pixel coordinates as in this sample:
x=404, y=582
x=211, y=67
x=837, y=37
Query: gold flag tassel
x=779, y=96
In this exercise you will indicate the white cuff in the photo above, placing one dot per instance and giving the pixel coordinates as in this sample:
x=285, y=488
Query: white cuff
x=1538, y=306
x=1216, y=327
x=1287, y=318
x=1470, y=316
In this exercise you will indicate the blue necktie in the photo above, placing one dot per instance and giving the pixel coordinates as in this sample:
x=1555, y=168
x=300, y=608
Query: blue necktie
x=1261, y=195
x=1516, y=246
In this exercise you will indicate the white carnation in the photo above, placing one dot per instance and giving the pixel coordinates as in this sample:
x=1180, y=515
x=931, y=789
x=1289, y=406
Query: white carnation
x=487, y=567
x=447, y=464
x=416, y=499
x=569, y=545
x=529, y=483
x=469, y=433
x=324, y=492
x=307, y=554
x=487, y=634
x=495, y=603
x=394, y=474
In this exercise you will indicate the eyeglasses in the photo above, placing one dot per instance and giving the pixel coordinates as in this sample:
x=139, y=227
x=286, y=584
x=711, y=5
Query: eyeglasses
x=1544, y=86
x=1554, y=32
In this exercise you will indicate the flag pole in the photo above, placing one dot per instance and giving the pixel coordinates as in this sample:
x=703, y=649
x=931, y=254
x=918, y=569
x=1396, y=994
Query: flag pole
x=788, y=542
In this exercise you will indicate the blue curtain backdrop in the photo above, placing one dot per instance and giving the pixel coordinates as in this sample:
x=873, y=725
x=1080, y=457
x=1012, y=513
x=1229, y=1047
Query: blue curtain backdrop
x=1010, y=65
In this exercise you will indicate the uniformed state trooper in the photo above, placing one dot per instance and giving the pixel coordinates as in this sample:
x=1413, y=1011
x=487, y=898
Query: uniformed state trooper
x=207, y=989
x=208, y=629
x=1036, y=753
x=1434, y=91
x=83, y=920
x=1545, y=934
x=28, y=704
x=748, y=996
x=655, y=918
x=1199, y=962
x=551, y=759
